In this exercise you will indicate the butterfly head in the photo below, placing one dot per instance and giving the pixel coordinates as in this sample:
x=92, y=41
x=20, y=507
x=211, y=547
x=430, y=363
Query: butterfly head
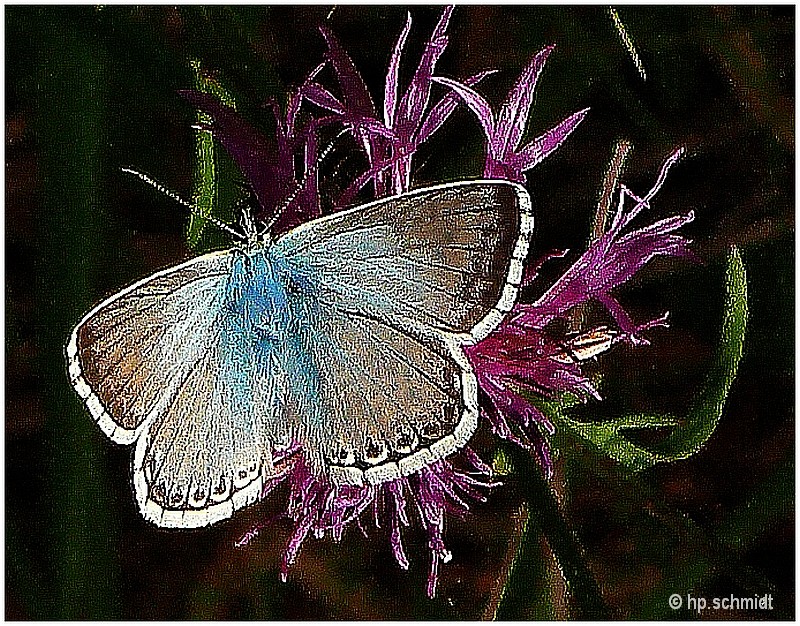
x=255, y=235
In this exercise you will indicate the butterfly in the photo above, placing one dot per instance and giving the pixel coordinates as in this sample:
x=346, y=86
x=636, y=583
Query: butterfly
x=345, y=335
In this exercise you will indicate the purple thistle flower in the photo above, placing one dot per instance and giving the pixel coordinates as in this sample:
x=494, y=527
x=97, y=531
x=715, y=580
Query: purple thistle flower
x=269, y=166
x=318, y=508
x=259, y=159
x=611, y=261
x=504, y=157
x=408, y=121
x=521, y=355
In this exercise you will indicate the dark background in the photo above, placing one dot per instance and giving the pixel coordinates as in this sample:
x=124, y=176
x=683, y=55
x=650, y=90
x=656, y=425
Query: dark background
x=91, y=90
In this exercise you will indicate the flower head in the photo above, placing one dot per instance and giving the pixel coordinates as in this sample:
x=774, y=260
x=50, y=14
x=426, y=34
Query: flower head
x=408, y=121
x=522, y=356
x=320, y=509
x=519, y=357
x=504, y=157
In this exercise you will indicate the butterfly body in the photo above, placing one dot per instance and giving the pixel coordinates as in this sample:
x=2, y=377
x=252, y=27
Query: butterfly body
x=344, y=336
x=268, y=328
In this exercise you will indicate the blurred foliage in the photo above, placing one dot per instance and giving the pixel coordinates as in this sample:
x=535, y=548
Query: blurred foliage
x=688, y=435
x=90, y=90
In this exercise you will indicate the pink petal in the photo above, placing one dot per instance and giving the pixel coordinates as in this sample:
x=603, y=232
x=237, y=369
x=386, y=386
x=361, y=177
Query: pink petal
x=415, y=100
x=477, y=104
x=540, y=148
x=444, y=108
x=317, y=94
x=354, y=89
x=350, y=193
x=296, y=99
x=390, y=97
x=514, y=113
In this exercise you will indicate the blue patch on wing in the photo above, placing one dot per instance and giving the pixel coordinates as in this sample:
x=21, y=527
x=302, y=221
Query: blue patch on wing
x=267, y=333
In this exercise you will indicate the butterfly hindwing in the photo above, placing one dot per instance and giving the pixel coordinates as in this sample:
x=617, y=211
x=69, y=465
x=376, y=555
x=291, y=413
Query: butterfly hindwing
x=206, y=455
x=209, y=452
x=390, y=401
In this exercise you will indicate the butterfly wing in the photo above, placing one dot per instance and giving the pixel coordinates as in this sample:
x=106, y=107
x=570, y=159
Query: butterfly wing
x=400, y=285
x=129, y=349
x=157, y=364
x=447, y=257
x=210, y=451
x=389, y=402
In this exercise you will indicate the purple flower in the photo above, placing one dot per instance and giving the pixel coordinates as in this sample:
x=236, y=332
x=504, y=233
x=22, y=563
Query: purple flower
x=269, y=166
x=391, y=142
x=611, y=261
x=504, y=157
x=521, y=356
x=321, y=509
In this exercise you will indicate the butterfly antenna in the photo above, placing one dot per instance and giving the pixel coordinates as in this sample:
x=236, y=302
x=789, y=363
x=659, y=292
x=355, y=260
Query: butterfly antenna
x=192, y=208
x=301, y=185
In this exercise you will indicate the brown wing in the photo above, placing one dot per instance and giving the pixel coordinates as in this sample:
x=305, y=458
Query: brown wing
x=447, y=257
x=129, y=353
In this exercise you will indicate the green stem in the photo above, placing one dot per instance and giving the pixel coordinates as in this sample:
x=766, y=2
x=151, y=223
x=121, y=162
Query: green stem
x=513, y=557
x=546, y=519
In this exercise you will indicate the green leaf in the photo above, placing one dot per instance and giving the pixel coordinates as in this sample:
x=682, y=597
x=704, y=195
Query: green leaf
x=501, y=464
x=691, y=433
x=609, y=436
x=204, y=180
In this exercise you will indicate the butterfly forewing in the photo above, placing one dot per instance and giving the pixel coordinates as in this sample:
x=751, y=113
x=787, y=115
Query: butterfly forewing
x=129, y=352
x=161, y=362
x=399, y=285
x=447, y=257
